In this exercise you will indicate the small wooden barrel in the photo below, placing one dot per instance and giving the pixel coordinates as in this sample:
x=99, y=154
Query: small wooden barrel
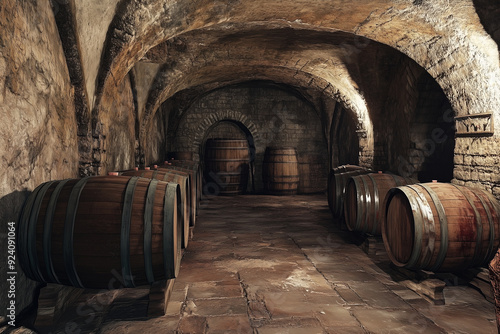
x=440, y=227
x=337, y=181
x=186, y=212
x=91, y=232
x=364, y=199
x=280, y=171
x=226, y=162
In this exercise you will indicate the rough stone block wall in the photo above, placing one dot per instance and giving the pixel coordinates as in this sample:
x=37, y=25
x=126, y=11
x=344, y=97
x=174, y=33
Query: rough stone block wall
x=281, y=119
x=477, y=163
x=157, y=140
x=39, y=133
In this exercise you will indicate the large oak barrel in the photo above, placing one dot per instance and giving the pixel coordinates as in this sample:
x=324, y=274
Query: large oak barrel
x=280, y=171
x=227, y=166
x=337, y=181
x=364, y=199
x=91, y=232
x=440, y=227
x=186, y=212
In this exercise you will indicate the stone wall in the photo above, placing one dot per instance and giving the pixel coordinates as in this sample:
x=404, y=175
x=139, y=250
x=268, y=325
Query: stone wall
x=281, y=118
x=414, y=131
x=157, y=138
x=38, y=136
x=477, y=163
x=114, y=136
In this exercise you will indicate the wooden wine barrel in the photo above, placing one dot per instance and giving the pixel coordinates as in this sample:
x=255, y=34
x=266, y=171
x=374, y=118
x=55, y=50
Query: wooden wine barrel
x=196, y=167
x=194, y=185
x=91, y=232
x=186, y=212
x=440, y=227
x=337, y=181
x=280, y=171
x=227, y=165
x=364, y=199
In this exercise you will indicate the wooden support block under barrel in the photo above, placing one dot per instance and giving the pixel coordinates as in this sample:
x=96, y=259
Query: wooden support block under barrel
x=53, y=301
x=159, y=297
x=422, y=283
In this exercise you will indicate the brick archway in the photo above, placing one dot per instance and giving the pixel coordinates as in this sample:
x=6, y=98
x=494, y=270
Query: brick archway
x=216, y=117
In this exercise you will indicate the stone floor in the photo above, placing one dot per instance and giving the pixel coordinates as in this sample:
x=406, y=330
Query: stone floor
x=266, y=264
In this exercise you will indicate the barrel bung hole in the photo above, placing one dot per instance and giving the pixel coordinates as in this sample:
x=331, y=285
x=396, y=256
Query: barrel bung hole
x=399, y=228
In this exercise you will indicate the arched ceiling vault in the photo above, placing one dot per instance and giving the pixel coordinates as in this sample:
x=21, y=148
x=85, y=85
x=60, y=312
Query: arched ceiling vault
x=445, y=38
x=298, y=59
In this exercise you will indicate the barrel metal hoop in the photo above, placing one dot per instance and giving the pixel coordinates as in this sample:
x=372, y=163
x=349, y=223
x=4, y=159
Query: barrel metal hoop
x=26, y=245
x=417, y=240
x=169, y=205
x=155, y=173
x=491, y=240
x=367, y=203
x=376, y=198
x=128, y=280
x=429, y=225
x=340, y=192
x=479, y=226
x=267, y=163
x=396, y=179
x=22, y=244
x=35, y=212
x=443, y=224
x=47, y=232
x=69, y=227
x=148, y=225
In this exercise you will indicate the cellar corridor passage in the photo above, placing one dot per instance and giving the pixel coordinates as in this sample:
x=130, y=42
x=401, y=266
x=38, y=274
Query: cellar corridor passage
x=269, y=264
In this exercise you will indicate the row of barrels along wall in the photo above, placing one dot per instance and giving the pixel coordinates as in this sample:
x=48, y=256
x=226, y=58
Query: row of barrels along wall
x=89, y=232
x=432, y=226
x=227, y=168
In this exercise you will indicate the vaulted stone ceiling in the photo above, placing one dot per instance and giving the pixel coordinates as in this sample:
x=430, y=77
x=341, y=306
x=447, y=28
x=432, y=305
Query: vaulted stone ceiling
x=307, y=44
